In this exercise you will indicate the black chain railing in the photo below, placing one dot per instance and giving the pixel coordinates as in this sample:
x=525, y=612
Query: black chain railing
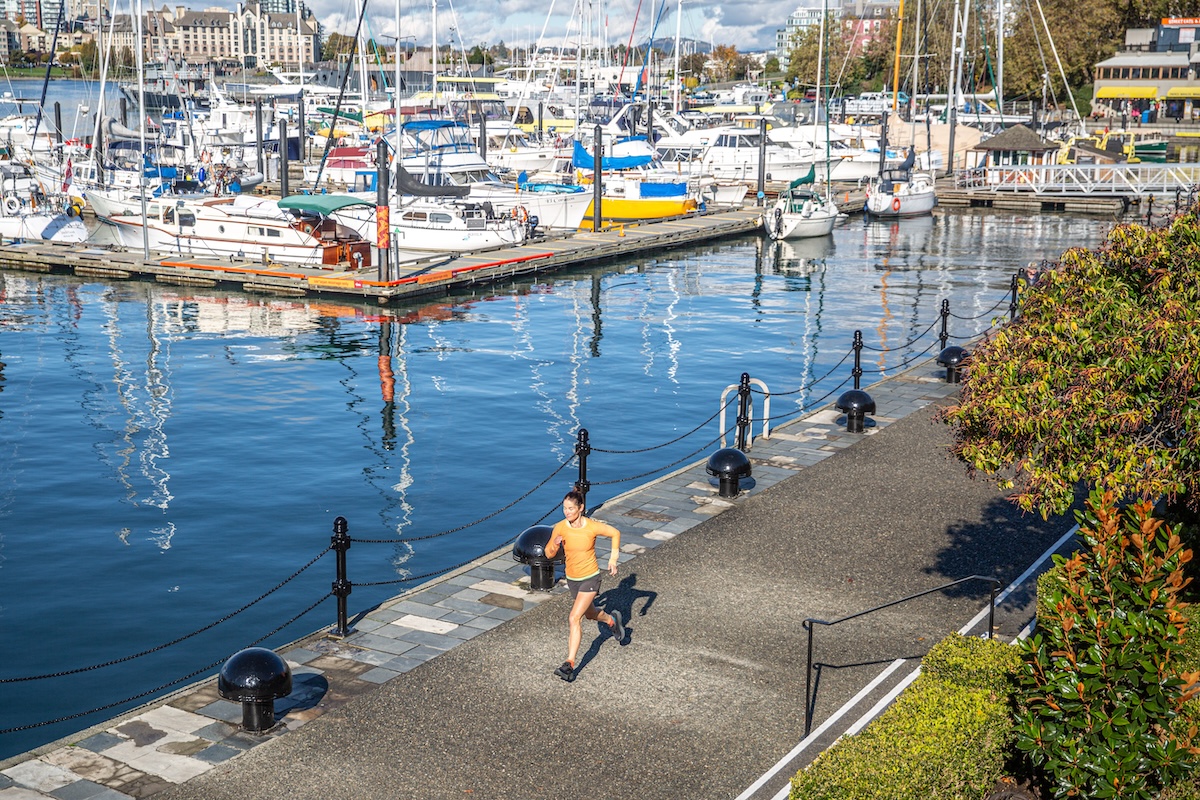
x=176, y=641
x=149, y=692
x=341, y=541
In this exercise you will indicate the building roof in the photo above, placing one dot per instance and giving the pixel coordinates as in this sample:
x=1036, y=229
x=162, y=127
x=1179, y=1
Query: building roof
x=203, y=19
x=1158, y=58
x=1016, y=138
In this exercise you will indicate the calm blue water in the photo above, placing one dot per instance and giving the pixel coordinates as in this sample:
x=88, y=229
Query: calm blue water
x=78, y=102
x=168, y=455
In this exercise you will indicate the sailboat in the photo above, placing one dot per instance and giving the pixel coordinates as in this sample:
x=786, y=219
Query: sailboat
x=802, y=213
x=901, y=193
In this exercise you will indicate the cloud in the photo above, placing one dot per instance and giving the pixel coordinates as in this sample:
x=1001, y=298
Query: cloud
x=469, y=23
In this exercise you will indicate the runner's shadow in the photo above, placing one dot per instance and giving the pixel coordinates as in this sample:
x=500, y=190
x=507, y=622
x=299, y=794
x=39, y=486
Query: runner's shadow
x=620, y=598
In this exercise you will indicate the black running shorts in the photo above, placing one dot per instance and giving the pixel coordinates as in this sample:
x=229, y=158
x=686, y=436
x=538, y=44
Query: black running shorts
x=591, y=584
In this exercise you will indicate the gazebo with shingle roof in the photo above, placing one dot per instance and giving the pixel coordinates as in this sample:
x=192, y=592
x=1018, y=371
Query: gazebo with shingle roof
x=1016, y=145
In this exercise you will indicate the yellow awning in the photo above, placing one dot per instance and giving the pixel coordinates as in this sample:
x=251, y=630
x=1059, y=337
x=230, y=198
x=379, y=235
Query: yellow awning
x=1184, y=92
x=1123, y=92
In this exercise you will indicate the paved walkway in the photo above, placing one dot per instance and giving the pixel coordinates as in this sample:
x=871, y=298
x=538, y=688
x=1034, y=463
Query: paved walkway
x=447, y=690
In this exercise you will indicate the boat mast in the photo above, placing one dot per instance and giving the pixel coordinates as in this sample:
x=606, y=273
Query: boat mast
x=916, y=76
x=951, y=99
x=1000, y=55
x=678, y=83
x=817, y=99
x=435, y=54
x=896, y=61
x=141, y=68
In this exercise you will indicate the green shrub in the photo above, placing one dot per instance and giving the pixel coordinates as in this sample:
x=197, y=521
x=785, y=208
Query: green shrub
x=945, y=737
x=1099, y=692
x=1046, y=585
x=973, y=663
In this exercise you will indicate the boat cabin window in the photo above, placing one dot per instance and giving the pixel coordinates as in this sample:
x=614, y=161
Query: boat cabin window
x=414, y=216
x=439, y=218
x=187, y=217
x=273, y=232
x=168, y=214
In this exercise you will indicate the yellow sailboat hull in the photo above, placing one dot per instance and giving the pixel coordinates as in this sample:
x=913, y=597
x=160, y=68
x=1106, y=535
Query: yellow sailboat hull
x=623, y=211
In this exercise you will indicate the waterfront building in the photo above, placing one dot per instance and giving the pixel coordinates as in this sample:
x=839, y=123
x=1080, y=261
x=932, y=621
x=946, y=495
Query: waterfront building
x=249, y=36
x=1156, y=71
x=798, y=21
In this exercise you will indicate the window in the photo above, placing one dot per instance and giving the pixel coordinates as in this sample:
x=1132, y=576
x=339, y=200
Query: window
x=273, y=232
x=187, y=218
x=168, y=214
x=439, y=219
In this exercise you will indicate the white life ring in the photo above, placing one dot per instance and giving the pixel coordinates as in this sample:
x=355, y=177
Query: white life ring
x=12, y=203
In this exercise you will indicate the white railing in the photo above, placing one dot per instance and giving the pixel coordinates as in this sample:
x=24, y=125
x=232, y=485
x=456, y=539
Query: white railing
x=1119, y=180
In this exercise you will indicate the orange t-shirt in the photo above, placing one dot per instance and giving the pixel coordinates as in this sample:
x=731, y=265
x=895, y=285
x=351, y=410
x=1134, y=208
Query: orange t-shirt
x=579, y=546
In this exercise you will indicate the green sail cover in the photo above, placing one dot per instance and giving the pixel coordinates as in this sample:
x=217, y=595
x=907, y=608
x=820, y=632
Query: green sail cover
x=323, y=204
x=811, y=177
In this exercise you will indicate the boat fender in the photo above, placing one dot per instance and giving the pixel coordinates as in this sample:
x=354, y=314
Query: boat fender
x=12, y=204
x=896, y=204
x=73, y=210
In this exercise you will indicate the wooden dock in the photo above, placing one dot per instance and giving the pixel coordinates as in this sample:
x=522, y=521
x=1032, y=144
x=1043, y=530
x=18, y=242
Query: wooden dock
x=436, y=275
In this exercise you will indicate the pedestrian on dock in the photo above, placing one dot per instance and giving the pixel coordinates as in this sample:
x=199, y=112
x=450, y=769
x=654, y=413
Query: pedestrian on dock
x=576, y=535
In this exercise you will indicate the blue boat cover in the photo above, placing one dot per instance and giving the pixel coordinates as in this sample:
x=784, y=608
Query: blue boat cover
x=581, y=159
x=663, y=189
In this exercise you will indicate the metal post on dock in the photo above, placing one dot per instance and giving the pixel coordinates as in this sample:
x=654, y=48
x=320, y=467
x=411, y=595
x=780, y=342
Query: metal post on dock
x=582, y=449
x=762, y=161
x=1012, y=303
x=58, y=122
x=340, y=542
x=258, y=138
x=300, y=130
x=1150, y=211
x=857, y=371
x=944, y=335
x=383, y=226
x=597, y=180
x=283, y=158
x=743, y=417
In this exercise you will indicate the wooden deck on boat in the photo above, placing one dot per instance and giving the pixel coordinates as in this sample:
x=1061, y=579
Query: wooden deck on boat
x=436, y=275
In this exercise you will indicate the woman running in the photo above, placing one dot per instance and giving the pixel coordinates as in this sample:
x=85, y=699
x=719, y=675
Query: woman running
x=576, y=535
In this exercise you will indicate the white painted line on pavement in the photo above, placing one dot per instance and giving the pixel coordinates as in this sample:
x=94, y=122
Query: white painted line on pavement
x=853, y=701
x=862, y=721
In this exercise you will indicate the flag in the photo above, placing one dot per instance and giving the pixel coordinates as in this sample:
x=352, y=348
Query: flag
x=67, y=176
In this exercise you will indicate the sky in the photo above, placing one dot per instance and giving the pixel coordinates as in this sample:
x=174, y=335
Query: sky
x=749, y=25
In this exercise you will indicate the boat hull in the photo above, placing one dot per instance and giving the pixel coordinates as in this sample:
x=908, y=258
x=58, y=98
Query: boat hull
x=623, y=210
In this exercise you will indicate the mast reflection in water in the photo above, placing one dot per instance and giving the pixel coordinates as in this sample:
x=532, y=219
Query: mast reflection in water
x=166, y=456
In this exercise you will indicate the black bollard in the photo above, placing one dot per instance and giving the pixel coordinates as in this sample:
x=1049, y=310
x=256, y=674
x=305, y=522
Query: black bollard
x=530, y=548
x=340, y=541
x=952, y=359
x=728, y=465
x=856, y=404
x=255, y=677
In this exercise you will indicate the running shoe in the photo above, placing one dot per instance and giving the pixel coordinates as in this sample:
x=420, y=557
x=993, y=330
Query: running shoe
x=618, y=627
x=566, y=672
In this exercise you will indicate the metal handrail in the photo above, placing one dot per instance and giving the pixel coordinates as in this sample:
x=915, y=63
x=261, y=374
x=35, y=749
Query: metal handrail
x=812, y=621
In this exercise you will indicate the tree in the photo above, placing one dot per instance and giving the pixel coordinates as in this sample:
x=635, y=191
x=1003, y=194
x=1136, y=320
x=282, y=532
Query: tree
x=478, y=55
x=802, y=63
x=1098, y=380
x=724, y=62
x=335, y=45
x=771, y=66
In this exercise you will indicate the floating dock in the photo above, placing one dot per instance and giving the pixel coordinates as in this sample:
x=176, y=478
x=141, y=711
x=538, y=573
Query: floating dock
x=436, y=275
